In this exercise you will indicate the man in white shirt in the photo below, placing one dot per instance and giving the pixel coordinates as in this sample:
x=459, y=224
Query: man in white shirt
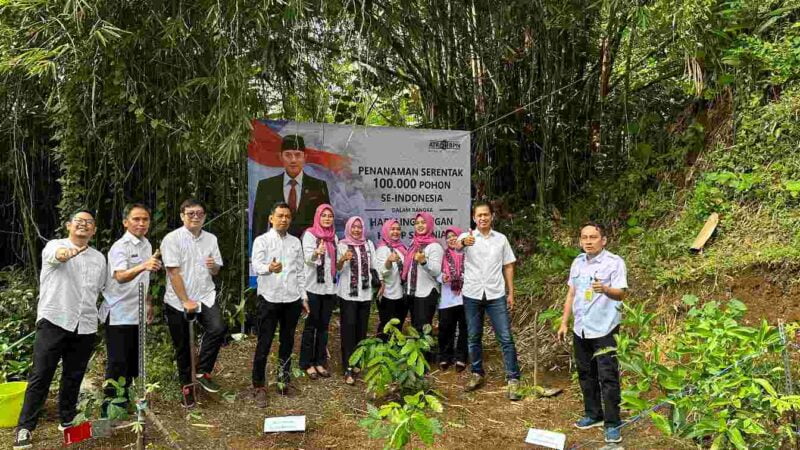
x=192, y=257
x=489, y=289
x=66, y=322
x=279, y=263
x=130, y=262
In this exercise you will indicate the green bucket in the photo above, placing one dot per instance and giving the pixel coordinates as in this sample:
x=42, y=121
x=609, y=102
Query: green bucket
x=11, y=396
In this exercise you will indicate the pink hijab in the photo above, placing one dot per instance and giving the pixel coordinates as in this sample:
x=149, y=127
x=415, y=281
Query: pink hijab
x=348, y=237
x=420, y=240
x=386, y=241
x=327, y=235
x=457, y=257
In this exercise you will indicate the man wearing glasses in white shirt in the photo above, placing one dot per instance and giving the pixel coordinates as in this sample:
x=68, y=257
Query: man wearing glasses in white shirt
x=66, y=323
x=191, y=257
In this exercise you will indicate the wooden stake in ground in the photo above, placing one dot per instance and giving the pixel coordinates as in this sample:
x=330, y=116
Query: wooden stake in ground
x=705, y=233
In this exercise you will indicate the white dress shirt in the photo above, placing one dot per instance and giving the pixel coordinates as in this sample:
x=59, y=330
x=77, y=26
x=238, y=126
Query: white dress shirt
x=68, y=291
x=121, y=300
x=288, y=285
x=287, y=186
x=426, y=275
x=391, y=277
x=596, y=314
x=343, y=286
x=180, y=248
x=310, y=244
x=483, y=265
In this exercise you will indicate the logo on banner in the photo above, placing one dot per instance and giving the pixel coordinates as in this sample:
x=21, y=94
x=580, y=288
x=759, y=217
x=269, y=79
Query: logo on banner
x=443, y=145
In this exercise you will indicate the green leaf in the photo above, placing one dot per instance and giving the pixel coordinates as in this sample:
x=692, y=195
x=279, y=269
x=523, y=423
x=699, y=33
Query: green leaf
x=661, y=423
x=736, y=438
x=767, y=386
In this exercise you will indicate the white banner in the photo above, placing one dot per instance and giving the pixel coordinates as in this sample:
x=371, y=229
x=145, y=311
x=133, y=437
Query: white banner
x=377, y=173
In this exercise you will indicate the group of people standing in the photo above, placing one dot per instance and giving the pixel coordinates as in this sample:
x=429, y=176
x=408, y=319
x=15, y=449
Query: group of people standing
x=468, y=278
x=318, y=272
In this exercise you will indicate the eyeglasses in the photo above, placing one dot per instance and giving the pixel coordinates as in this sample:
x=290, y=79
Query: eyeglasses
x=78, y=221
x=197, y=214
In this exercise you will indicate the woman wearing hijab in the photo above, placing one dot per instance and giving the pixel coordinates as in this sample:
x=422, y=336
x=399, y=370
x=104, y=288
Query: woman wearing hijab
x=319, y=251
x=389, y=258
x=354, y=288
x=451, y=307
x=424, y=265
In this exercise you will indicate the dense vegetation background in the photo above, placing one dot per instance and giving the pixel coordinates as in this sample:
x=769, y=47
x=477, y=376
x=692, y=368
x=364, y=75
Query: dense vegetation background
x=647, y=115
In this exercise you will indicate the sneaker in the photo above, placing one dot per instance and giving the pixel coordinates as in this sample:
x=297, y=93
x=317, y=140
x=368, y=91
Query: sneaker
x=587, y=422
x=476, y=381
x=207, y=383
x=64, y=425
x=444, y=365
x=261, y=397
x=22, y=439
x=188, y=396
x=513, y=390
x=613, y=435
x=460, y=366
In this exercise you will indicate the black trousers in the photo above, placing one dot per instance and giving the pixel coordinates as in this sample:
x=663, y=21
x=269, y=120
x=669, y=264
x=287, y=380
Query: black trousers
x=214, y=330
x=122, y=348
x=452, y=348
x=423, y=309
x=270, y=317
x=51, y=345
x=313, y=346
x=599, y=378
x=389, y=309
x=354, y=321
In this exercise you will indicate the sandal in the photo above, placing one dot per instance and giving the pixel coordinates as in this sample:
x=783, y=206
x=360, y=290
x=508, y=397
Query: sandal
x=348, y=377
x=312, y=373
x=322, y=372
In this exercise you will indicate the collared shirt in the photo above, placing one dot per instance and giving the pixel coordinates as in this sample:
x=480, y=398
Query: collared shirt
x=310, y=244
x=289, y=284
x=180, y=248
x=287, y=186
x=595, y=313
x=449, y=298
x=121, y=300
x=343, y=285
x=68, y=291
x=483, y=265
x=426, y=275
x=391, y=277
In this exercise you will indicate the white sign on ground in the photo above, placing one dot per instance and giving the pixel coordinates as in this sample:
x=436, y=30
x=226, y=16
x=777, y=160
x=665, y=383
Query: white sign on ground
x=545, y=438
x=284, y=424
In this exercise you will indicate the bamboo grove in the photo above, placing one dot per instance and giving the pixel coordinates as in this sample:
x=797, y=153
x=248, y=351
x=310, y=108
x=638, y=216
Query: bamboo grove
x=106, y=102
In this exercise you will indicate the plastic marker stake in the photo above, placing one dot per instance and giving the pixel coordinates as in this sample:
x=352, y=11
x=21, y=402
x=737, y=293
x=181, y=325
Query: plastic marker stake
x=545, y=438
x=77, y=433
x=284, y=424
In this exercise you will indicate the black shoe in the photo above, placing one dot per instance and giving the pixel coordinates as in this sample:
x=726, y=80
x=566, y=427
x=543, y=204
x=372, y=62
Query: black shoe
x=444, y=365
x=22, y=439
x=460, y=366
x=188, y=396
x=207, y=383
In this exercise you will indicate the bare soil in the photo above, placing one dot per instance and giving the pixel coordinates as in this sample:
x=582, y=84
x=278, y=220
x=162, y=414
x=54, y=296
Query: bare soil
x=484, y=419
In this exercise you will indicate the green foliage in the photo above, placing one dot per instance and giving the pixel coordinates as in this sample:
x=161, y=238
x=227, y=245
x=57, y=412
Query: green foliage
x=115, y=409
x=397, y=424
x=18, y=309
x=719, y=378
x=397, y=365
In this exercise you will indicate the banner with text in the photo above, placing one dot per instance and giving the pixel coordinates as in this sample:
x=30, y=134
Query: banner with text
x=377, y=173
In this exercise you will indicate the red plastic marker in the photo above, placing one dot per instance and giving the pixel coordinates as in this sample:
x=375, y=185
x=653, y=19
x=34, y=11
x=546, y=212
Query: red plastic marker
x=78, y=433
